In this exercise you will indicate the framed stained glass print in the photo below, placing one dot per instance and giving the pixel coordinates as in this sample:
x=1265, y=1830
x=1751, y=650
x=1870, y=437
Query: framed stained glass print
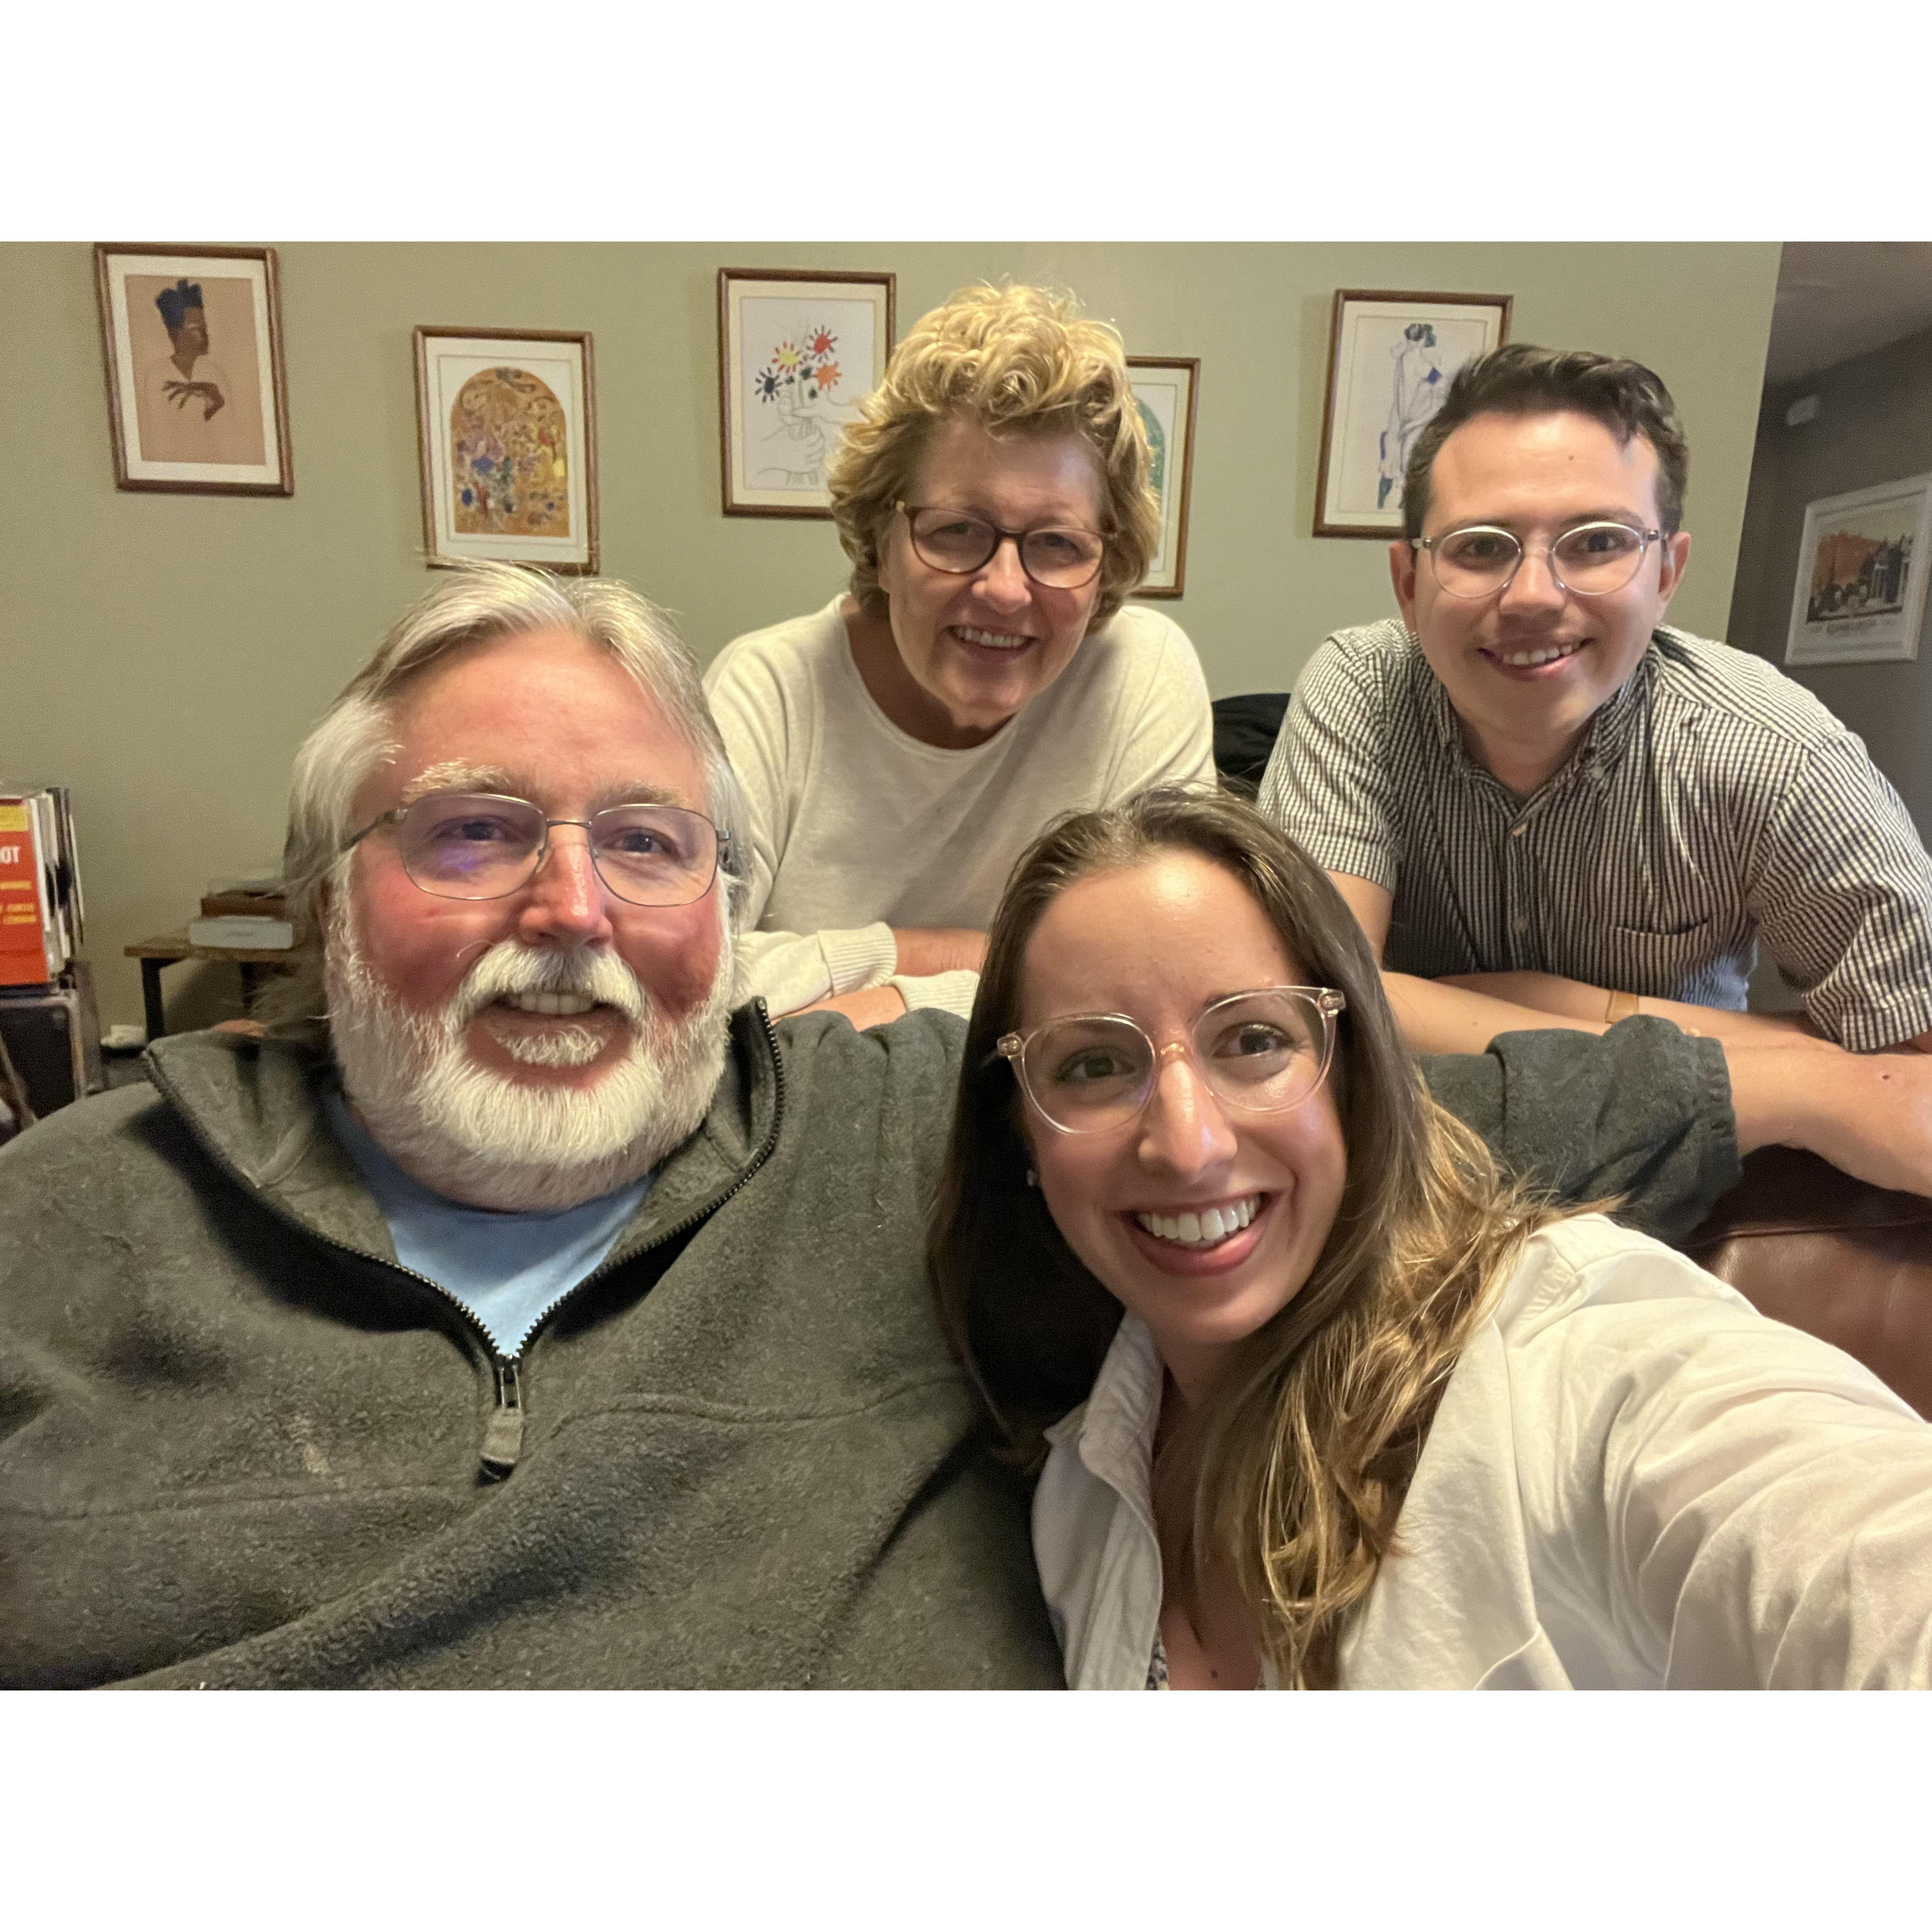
x=507, y=419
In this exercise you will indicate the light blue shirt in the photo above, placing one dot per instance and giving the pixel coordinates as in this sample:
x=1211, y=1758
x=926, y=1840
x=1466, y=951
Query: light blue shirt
x=506, y=1269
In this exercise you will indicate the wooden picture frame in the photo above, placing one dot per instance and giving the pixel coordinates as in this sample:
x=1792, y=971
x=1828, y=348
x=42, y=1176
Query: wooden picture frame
x=1374, y=413
x=796, y=349
x=506, y=422
x=1167, y=389
x=191, y=339
x=1860, y=596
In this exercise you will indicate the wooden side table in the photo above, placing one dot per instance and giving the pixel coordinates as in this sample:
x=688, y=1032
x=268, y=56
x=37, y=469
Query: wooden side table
x=165, y=949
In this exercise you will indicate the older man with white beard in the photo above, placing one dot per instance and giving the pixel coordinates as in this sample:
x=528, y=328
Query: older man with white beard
x=514, y=1313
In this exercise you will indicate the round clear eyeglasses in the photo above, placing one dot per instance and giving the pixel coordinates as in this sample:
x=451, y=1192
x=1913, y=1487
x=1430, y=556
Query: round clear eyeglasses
x=1259, y=1052
x=960, y=541
x=475, y=845
x=1593, y=559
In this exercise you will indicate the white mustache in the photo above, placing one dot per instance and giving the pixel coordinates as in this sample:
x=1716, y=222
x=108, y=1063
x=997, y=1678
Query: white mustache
x=510, y=967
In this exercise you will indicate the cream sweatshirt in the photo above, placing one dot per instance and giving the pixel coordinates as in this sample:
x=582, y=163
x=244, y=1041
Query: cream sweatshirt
x=856, y=828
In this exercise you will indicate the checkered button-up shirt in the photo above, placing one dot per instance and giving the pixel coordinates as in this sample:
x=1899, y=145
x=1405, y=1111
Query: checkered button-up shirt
x=1712, y=803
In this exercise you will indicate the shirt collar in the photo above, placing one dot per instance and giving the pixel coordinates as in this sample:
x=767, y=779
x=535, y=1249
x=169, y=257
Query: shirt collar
x=1603, y=743
x=1113, y=1430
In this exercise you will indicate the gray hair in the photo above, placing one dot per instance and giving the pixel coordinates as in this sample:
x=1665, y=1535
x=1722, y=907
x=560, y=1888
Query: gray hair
x=475, y=604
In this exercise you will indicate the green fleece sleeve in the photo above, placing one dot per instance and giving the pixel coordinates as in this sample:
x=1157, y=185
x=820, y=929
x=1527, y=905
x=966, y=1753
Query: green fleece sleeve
x=1642, y=1112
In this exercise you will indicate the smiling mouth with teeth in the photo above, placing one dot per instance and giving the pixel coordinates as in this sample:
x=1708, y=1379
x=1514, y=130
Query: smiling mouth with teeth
x=1206, y=1228
x=554, y=1006
x=994, y=641
x=1543, y=654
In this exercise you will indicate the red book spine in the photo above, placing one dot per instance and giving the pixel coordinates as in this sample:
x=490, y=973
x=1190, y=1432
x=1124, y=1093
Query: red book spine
x=23, y=924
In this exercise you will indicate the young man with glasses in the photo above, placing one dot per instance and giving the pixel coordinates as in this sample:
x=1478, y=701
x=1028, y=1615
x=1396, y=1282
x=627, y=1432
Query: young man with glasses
x=1546, y=807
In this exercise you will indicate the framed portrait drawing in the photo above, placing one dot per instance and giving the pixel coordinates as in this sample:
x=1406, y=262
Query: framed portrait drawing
x=1860, y=596
x=1164, y=388
x=507, y=422
x=192, y=338
x=796, y=351
x=1391, y=354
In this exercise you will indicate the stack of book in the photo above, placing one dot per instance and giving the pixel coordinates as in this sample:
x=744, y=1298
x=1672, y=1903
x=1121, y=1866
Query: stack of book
x=40, y=910
x=244, y=915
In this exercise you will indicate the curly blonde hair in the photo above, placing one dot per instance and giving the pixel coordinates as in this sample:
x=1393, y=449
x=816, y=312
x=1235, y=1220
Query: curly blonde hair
x=1017, y=362
x=1294, y=1472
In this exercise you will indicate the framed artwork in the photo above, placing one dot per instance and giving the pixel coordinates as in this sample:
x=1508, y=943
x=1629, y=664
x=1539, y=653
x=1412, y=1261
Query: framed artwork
x=507, y=421
x=1164, y=388
x=192, y=338
x=1860, y=596
x=1391, y=354
x=796, y=351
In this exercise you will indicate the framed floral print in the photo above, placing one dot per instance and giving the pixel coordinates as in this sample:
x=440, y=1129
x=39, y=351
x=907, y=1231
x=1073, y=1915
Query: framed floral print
x=796, y=349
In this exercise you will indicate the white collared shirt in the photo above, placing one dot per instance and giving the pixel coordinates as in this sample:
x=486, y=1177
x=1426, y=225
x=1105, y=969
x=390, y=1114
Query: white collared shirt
x=1633, y=1480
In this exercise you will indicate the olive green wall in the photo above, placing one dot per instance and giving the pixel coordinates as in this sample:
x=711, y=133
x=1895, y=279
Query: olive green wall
x=164, y=654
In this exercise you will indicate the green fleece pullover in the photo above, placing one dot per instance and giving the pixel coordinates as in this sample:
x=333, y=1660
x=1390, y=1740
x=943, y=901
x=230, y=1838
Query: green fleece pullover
x=239, y=1445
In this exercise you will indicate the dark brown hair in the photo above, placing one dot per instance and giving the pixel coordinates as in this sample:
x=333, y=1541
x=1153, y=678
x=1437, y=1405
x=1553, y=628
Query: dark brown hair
x=1519, y=379
x=1305, y=1449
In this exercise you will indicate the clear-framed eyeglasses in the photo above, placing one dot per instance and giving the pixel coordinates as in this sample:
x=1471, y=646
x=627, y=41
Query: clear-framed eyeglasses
x=960, y=541
x=1592, y=559
x=477, y=845
x=1259, y=1052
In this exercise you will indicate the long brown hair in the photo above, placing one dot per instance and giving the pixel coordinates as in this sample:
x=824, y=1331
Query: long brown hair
x=1300, y=1458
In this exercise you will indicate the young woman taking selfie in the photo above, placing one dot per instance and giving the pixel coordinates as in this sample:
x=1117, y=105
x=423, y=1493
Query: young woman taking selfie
x=1316, y=1398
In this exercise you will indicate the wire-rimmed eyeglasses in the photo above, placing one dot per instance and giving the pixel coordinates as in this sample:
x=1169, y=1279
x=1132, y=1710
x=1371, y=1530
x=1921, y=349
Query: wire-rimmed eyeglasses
x=1259, y=1052
x=1058, y=556
x=479, y=845
x=1591, y=560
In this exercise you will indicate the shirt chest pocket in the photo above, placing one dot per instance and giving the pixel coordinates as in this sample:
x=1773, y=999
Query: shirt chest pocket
x=1666, y=964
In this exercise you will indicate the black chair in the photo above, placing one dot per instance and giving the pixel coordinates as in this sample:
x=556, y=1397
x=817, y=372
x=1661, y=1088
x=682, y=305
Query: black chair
x=1245, y=729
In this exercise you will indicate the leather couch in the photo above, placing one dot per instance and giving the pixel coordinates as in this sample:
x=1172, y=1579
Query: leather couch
x=1848, y=1263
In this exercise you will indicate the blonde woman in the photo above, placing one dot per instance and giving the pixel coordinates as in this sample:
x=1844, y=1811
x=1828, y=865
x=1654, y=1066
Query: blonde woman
x=982, y=675
x=1345, y=1409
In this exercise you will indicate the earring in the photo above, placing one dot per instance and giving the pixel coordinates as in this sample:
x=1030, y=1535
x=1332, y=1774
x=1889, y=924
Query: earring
x=1032, y=1179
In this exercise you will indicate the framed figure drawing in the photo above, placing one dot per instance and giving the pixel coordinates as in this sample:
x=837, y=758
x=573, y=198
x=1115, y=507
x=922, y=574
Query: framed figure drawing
x=192, y=339
x=796, y=351
x=1860, y=596
x=507, y=423
x=1164, y=388
x=1391, y=354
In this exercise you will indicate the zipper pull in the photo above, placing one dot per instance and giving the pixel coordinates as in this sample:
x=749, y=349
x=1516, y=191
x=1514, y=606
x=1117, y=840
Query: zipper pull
x=503, y=1440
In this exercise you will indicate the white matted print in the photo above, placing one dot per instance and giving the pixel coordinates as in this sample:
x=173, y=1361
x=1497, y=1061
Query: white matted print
x=796, y=351
x=1860, y=596
x=1391, y=356
x=192, y=338
x=1164, y=388
x=507, y=420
